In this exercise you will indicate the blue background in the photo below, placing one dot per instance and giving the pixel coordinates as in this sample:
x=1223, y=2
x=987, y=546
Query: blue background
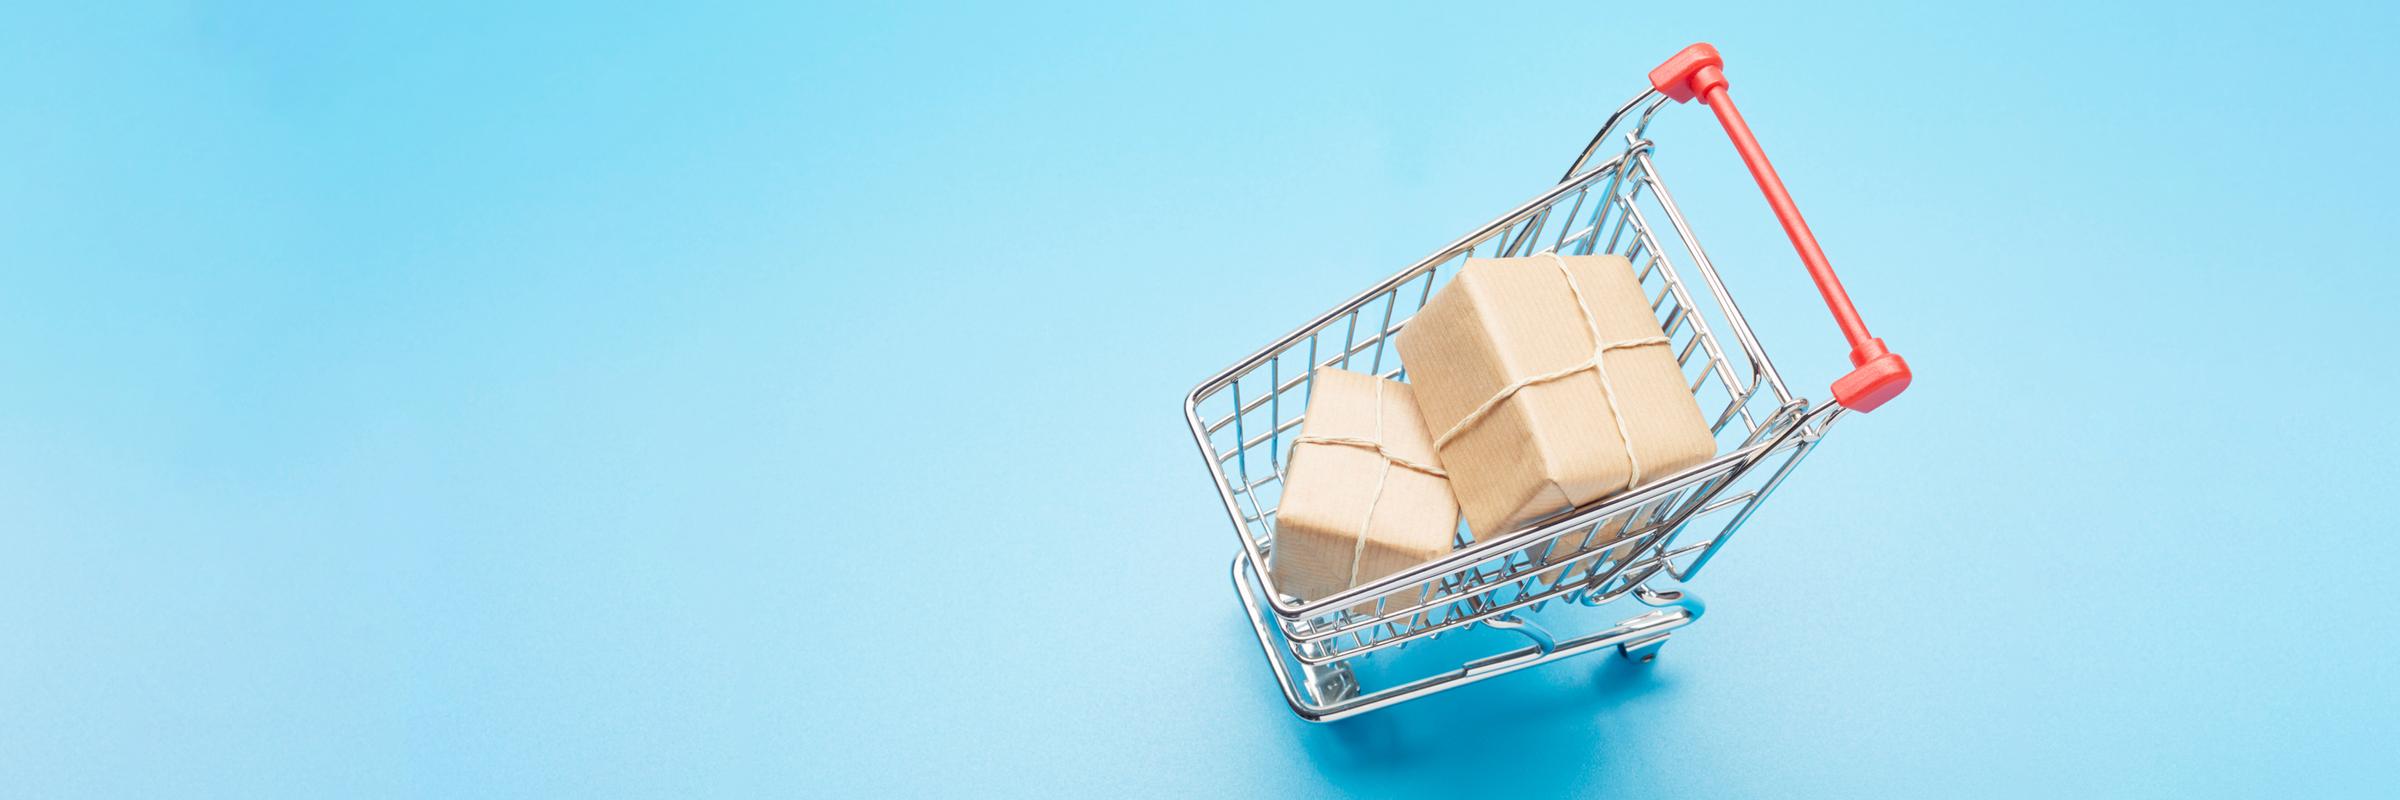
x=773, y=400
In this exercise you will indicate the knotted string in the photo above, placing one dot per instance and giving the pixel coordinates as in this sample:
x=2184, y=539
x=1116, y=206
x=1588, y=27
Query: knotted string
x=1608, y=391
x=1358, y=547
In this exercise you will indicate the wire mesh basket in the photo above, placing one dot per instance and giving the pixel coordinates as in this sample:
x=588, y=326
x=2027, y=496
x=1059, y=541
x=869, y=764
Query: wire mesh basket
x=1643, y=544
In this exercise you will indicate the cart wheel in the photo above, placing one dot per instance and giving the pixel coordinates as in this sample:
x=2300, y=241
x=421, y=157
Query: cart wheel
x=1643, y=651
x=1331, y=683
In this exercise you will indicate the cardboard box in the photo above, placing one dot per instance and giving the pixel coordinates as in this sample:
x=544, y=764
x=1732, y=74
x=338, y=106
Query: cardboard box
x=1508, y=343
x=1364, y=496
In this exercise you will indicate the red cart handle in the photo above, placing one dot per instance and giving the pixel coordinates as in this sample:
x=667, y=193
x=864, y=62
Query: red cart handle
x=1877, y=373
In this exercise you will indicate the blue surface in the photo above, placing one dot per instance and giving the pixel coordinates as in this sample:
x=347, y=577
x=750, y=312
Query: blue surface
x=771, y=400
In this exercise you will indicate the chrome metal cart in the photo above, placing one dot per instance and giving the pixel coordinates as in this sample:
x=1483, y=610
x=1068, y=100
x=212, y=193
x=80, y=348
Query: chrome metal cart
x=1652, y=539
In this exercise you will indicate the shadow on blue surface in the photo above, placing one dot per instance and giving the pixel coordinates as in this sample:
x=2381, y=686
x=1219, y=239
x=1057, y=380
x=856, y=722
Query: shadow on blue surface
x=1497, y=725
x=1542, y=728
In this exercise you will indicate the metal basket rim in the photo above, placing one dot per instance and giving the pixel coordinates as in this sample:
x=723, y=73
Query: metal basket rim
x=1728, y=464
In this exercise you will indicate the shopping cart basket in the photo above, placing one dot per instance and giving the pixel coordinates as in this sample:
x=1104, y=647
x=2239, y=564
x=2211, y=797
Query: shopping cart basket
x=1651, y=540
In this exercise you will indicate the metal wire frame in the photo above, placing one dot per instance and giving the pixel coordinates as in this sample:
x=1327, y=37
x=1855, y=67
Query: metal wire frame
x=1575, y=556
x=1324, y=689
x=1573, y=559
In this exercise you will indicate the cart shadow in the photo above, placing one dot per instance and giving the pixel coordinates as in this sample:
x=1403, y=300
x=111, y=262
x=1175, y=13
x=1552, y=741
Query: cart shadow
x=1558, y=714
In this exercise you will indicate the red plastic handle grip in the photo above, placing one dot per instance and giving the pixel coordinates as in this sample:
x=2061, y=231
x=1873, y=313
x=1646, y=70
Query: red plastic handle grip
x=1877, y=374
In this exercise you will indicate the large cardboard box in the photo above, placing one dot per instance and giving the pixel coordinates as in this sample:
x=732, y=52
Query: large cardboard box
x=1364, y=496
x=1502, y=361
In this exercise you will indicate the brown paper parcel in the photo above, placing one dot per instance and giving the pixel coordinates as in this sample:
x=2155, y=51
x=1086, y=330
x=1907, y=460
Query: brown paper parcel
x=1364, y=496
x=1549, y=384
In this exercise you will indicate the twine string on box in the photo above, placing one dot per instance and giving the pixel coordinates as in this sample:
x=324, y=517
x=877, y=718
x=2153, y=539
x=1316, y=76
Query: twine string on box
x=1358, y=546
x=1608, y=391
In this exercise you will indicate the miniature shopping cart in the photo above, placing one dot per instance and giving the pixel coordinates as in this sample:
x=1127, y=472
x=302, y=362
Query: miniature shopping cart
x=1333, y=657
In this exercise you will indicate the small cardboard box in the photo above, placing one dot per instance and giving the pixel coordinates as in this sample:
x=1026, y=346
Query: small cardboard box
x=1364, y=496
x=1511, y=342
